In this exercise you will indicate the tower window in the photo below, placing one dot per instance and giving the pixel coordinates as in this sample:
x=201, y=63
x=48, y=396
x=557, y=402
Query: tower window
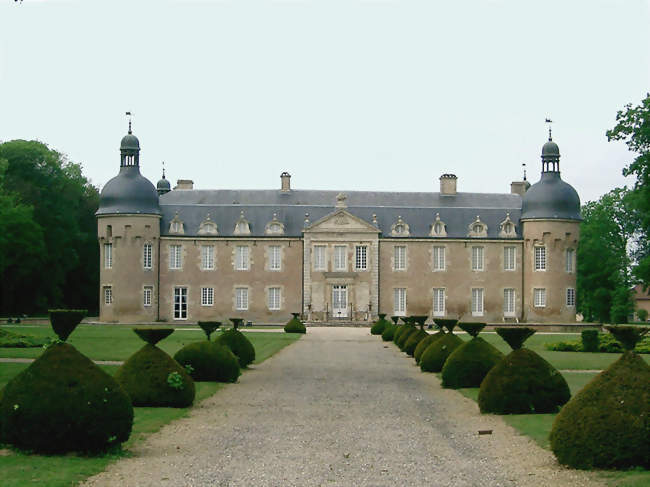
x=108, y=256
x=146, y=256
x=540, y=258
x=570, y=259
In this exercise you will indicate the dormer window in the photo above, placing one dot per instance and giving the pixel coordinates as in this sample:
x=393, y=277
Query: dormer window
x=176, y=225
x=477, y=228
x=439, y=228
x=274, y=227
x=400, y=228
x=507, y=228
x=242, y=227
x=208, y=227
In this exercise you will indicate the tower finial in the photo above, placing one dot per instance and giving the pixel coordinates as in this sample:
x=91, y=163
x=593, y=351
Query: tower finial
x=163, y=165
x=523, y=164
x=549, y=122
x=129, y=114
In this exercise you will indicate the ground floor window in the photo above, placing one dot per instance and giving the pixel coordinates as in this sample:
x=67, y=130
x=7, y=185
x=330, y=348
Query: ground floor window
x=147, y=294
x=274, y=298
x=509, y=302
x=570, y=297
x=108, y=294
x=477, y=301
x=241, y=298
x=399, y=301
x=180, y=303
x=207, y=296
x=439, y=302
x=539, y=298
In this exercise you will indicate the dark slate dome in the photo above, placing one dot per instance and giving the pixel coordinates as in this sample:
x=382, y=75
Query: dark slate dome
x=163, y=185
x=129, y=192
x=550, y=149
x=130, y=142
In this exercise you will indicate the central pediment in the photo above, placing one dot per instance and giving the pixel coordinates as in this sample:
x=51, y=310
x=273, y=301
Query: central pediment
x=342, y=221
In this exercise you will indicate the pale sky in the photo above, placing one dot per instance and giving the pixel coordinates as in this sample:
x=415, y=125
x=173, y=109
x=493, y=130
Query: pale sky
x=382, y=95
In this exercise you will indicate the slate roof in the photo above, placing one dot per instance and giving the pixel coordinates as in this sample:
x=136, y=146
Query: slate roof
x=418, y=210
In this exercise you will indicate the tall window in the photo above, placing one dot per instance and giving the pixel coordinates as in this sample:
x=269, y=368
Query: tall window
x=508, y=302
x=361, y=257
x=147, y=294
x=539, y=297
x=274, y=298
x=242, y=261
x=180, y=303
x=108, y=295
x=439, y=302
x=570, y=297
x=241, y=298
x=477, y=301
x=438, y=258
x=108, y=256
x=207, y=296
x=146, y=256
x=399, y=301
x=509, y=258
x=399, y=259
x=570, y=259
x=275, y=258
x=207, y=257
x=175, y=261
x=340, y=257
x=320, y=264
x=477, y=258
x=540, y=258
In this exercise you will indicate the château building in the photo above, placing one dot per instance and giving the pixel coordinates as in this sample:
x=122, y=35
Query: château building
x=185, y=254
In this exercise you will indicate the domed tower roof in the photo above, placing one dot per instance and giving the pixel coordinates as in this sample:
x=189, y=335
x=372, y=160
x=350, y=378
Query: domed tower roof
x=550, y=197
x=129, y=192
x=163, y=185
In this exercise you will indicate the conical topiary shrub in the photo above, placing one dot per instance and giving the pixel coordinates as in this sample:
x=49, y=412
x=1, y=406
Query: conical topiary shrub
x=607, y=423
x=209, y=361
x=428, y=340
x=153, y=378
x=294, y=325
x=380, y=325
x=434, y=357
x=64, y=402
x=64, y=321
x=406, y=333
x=468, y=365
x=399, y=329
x=413, y=340
x=419, y=320
x=239, y=345
x=523, y=382
x=389, y=332
x=209, y=327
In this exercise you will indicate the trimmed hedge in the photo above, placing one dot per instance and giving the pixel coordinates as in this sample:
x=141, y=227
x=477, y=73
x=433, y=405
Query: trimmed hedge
x=434, y=357
x=209, y=361
x=515, y=336
x=294, y=325
x=64, y=321
x=406, y=333
x=380, y=325
x=413, y=340
x=468, y=365
x=64, y=402
x=9, y=339
x=399, y=329
x=424, y=343
x=589, y=340
x=448, y=323
x=389, y=332
x=607, y=423
x=240, y=346
x=209, y=327
x=471, y=328
x=606, y=344
x=153, y=335
x=146, y=378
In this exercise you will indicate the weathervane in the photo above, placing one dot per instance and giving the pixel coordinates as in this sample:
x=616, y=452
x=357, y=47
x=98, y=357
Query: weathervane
x=129, y=114
x=163, y=165
x=524, y=166
x=549, y=122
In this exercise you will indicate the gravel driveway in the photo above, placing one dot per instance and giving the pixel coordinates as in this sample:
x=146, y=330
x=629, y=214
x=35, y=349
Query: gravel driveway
x=340, y=408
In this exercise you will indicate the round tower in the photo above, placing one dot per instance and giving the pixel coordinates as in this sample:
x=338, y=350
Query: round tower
x=550, y=219
x=128, y=229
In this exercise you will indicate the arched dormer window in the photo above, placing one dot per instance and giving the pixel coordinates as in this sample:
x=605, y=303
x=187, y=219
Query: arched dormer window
x=400, y=228
x=477, y=228
x=176, y=225
x=242, y=227
x=208, y=227
x=274, y=227
x=507, y=228
x=439, y=228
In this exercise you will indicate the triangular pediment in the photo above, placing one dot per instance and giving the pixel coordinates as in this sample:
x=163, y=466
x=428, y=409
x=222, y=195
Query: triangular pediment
x=342, y=221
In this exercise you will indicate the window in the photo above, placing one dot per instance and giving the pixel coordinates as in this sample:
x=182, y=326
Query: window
x=340, y=258
x=175, y=257
x=147, y=293
x=509, y=258
x=274, y=298
x=477, y=258
x=361, y=258
x=108, y=295
x=438, y=258
x=180, y=303
x=242, y=258
x=540, y=258
x=241, y=298
x=399, y=260
x=570, y=297
x=108, y=256
x=176, y=226
x=320, y=264
x=242, y=228
x=570, y=258
x=275, y=258
x=399, y=301
x=439, y=302
x=509, y=302
x=146, y=256
x=207, y=296
x=477, y=301
x=539, y=298
x=207, y=257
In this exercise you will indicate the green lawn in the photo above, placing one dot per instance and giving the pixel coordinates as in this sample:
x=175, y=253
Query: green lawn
x=108, y=343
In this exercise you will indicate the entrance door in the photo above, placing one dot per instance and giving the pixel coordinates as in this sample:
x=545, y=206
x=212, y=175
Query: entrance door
x=180, y=303
x=340, y=301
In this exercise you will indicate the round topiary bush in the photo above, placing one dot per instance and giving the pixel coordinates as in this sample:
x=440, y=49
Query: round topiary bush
x=468, y=365
x=379, y=325
x=424, y=344
x=523, y=382
x=399, y=329
x=64, y=402
x=607, y=423
x=413, y=341
x=389, y=332
x=240, y=346
x=434, y=357
x=406, y=333
x=294, y=325
x=209, y=361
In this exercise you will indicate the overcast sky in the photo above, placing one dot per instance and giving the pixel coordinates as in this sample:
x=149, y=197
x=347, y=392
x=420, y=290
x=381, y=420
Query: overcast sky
x=370, y=95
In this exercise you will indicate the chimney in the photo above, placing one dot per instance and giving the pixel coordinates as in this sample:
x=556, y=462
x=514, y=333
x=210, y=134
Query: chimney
x=448, y=184
x=285, y=181
x=519, y=187
x=184, y=184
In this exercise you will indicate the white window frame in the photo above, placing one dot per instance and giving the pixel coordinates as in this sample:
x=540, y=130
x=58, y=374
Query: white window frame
x=540, y=258
x=108, y=256
x=320, y=260
x=207, y=257
x=539, y=297
x=340, y=257
x=147, y=255
x=274, y=301
x=178, y=312
x=241, y=299
x=478, y=299
x=399, y=301
x=361, y=258
x=399, y=257
x=147, y=296
x=175, y=256
x=242, y=258
x=509, y=302
x=439, y=258
x=108, y=295
x=570, y=261
x=439, y=301
x=207, y=296
x=478, y=258
x=509, y=258
x=275, y=258
x=571, y=297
